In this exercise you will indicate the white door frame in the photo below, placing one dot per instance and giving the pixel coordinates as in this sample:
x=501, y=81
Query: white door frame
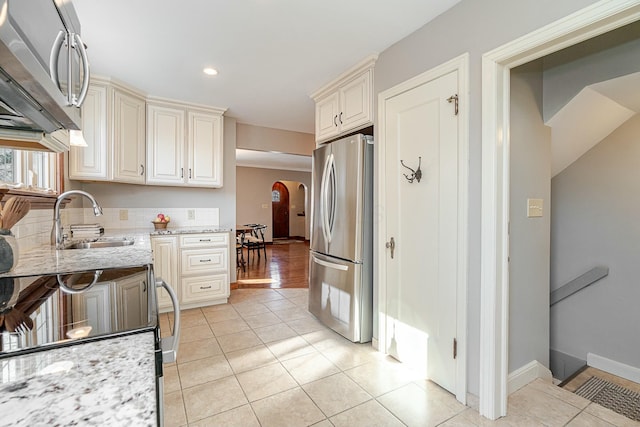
x=461, y=64
x=587, y=23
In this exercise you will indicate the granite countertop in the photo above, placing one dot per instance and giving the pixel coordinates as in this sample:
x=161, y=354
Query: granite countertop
x=107, y=382
x=47, y=260
x=190, y=230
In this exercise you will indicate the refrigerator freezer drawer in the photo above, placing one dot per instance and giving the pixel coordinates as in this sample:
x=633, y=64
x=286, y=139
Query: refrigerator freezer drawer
x=339, y=297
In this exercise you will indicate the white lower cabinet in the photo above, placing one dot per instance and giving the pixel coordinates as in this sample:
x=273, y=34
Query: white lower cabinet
x=96, y=304
x=132, y=298
x=200, y=262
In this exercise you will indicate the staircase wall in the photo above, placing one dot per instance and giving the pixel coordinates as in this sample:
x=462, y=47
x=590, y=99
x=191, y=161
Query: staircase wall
x=595, y=220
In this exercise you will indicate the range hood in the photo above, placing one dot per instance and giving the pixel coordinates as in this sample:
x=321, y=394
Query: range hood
x=44, y=74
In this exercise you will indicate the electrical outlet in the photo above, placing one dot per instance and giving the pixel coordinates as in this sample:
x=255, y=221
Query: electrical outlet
x=191, y=214
x=265, y=206
x=124, y=215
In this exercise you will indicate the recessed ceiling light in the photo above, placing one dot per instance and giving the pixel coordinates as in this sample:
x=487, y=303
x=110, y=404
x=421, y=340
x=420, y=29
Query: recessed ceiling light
x=210, y=71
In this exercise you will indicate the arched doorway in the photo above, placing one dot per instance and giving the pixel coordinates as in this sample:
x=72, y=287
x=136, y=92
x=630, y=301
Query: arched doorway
x=280, y=210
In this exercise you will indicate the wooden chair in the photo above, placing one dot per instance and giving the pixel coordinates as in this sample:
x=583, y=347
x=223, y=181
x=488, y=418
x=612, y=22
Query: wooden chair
x=255, y=241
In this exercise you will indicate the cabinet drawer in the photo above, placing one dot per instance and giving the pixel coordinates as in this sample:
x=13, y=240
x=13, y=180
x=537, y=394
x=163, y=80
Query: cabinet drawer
x=204, y=288
x=199, y=260
x=204, y=240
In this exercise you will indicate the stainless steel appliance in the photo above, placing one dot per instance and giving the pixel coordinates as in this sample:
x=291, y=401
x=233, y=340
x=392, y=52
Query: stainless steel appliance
x=340, y=263
x=44, y=70
x=52, y=311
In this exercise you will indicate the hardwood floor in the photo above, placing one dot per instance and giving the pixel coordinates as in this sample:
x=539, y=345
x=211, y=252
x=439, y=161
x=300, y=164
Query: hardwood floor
x=286, y=266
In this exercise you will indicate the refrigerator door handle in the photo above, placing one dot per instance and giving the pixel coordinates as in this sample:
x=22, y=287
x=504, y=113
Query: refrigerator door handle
x=324, y=195
x=330, y=264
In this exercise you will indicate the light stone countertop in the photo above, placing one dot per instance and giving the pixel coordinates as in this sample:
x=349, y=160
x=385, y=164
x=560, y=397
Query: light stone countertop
x=47, y=260
x=108, y=382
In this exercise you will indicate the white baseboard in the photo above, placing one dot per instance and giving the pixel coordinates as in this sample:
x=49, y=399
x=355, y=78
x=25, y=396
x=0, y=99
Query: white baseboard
x=374, y=343
x=524, y=375
x=630, y=373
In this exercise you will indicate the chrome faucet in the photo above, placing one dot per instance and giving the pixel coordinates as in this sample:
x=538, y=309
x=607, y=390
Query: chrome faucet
x=57, y=237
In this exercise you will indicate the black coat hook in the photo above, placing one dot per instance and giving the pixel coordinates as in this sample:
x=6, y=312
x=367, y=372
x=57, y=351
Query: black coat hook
x=415, y=174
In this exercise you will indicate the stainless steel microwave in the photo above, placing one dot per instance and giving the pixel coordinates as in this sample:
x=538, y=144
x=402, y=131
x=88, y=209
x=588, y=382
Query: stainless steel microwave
x=44, y=70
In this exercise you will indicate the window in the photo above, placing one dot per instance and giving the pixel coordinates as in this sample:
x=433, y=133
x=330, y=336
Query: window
x=32, y=169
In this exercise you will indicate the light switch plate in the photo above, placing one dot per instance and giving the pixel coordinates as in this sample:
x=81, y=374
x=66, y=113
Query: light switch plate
x=534, y=208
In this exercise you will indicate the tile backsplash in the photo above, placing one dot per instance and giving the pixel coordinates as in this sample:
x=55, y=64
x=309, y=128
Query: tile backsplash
x=35, y=228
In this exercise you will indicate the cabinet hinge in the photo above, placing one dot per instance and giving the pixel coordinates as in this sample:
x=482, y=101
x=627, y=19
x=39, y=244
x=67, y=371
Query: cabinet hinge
x=454, y=98
x=455, y=348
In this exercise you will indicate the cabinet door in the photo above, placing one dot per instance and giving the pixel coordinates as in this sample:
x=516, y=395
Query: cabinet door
x=92, y=162
x=195, y=261
x=165, y=265
x=132, y=298
x=204, y=240
x=205, y=135
x=165, y=145
x=355, y=102
x=128, y=138
x=327, y=112
x=205, y=288
x=93, y=307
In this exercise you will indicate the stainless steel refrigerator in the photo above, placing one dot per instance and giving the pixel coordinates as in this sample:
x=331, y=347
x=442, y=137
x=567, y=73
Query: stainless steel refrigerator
x=340, y=262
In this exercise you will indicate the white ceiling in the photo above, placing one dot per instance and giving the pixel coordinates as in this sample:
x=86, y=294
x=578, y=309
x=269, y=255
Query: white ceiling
x=271, y=54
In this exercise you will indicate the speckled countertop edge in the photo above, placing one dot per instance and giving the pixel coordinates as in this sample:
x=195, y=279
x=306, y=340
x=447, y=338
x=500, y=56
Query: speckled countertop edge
x=47, y=260
x=107, y=382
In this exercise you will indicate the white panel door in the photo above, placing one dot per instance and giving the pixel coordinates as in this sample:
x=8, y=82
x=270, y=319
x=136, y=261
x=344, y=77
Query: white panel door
x=205, y=149
x=128, y=138
x=165, y=145
x=421, y=129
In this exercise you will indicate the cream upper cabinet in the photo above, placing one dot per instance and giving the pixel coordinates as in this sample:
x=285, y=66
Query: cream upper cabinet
x=129, y=160
x=327, y=112
x=184, y=145
x=113, y=126
x=345, y=104
x=205, y=149
x=165, y=144
x=92, y=162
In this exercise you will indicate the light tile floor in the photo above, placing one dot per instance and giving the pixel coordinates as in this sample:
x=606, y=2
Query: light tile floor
x=263, y=360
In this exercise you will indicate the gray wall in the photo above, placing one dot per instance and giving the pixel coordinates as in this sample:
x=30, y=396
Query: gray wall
x=268, y=139
x=254, y=191
x=595, y=211
x=475, y=27
x=529, y=238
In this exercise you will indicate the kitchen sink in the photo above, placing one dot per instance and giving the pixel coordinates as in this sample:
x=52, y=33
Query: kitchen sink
x=100, y=244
